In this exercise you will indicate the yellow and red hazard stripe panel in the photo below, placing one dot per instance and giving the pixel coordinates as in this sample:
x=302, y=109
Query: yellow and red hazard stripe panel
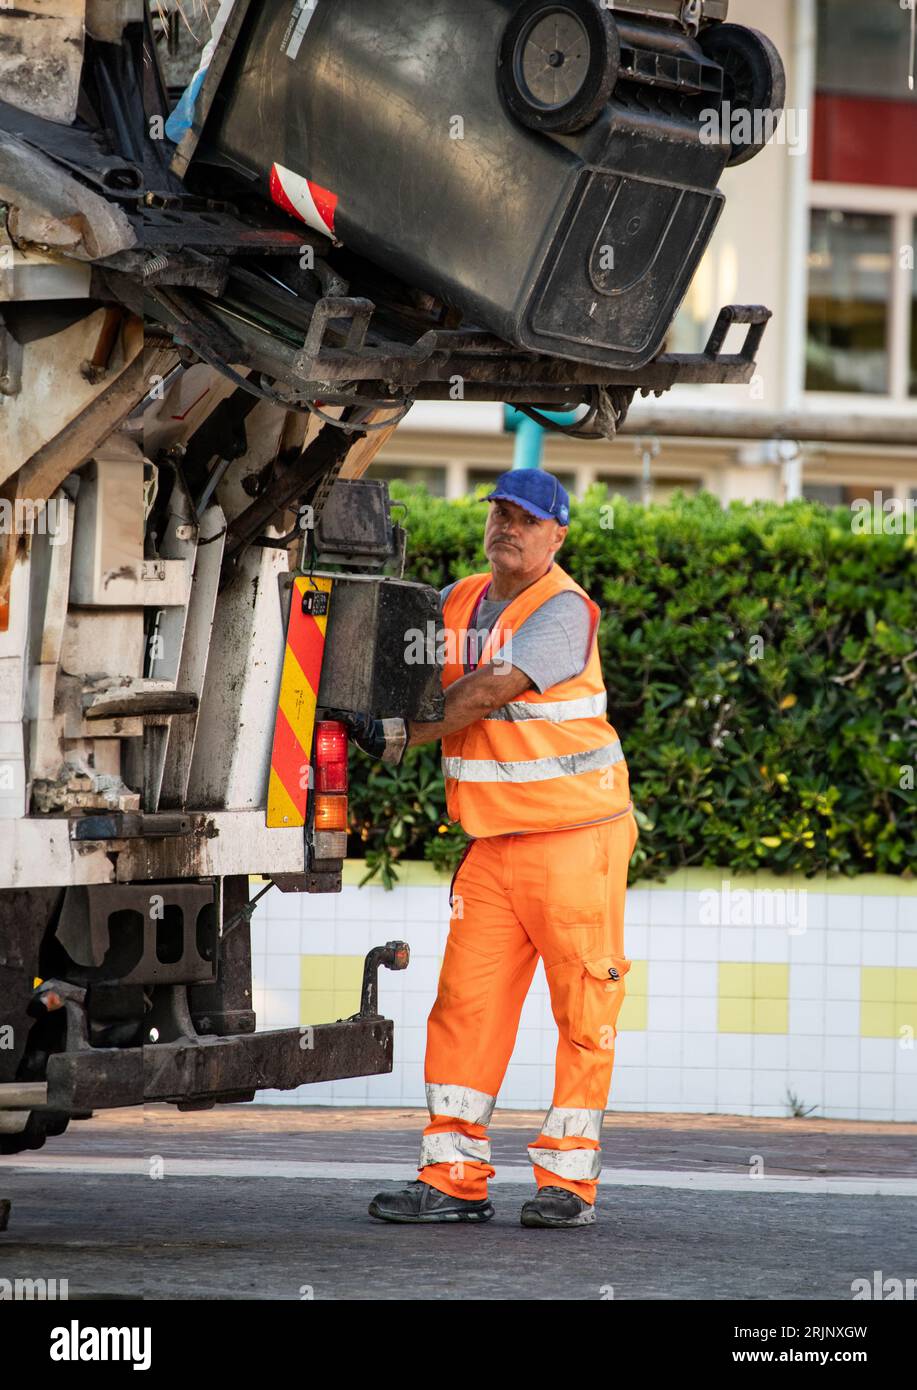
x=288, y=788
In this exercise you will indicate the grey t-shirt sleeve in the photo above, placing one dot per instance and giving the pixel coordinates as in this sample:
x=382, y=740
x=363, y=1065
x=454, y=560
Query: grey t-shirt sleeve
x=552, y=645
x=444, y=593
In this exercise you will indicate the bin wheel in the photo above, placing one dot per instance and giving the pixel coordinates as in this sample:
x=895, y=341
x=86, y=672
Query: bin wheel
x=754, y=82
x=558, y=63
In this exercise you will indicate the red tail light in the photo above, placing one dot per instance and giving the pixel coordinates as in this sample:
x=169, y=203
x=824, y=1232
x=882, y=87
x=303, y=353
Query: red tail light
x=330, y=756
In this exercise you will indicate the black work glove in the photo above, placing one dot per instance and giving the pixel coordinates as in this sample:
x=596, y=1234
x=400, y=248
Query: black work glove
x=379, y=738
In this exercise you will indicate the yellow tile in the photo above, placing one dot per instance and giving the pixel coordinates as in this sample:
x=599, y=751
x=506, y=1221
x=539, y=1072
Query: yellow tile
x=632, y=1018
x=637, y=977
x=348, y=976
x=771, y=982
x=316, y=972
x=317, y=1006
x=735, y=981
x=735, y=1015
x=877, y=1020
x=771, y=1016
x=329, y=987
x=906, y=985
x=906, y=1017
x=877, y=984
x=753, y=998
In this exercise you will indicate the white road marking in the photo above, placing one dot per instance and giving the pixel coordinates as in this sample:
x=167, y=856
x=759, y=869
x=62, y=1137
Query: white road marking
x=705, y=1181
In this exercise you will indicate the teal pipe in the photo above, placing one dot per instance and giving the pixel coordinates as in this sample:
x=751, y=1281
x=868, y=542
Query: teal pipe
x=528, y=450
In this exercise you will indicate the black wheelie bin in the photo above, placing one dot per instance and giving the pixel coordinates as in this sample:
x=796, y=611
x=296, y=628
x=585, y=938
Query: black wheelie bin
x=547, y=169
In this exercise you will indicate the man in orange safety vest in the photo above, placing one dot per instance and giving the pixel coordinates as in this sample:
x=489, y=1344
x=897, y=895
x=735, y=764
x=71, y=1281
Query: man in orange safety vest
x=536, y=776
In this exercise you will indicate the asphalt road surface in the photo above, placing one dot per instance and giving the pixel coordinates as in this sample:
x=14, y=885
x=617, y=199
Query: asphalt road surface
x=270, y=1202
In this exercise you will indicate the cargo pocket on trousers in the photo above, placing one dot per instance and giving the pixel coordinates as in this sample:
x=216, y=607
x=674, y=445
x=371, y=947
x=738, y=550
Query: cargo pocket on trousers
x=601, y=996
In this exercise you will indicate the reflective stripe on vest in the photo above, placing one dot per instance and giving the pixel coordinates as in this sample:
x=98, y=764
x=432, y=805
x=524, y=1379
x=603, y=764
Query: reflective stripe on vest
x=555, y=750
x=557, y=711
x=534, y=770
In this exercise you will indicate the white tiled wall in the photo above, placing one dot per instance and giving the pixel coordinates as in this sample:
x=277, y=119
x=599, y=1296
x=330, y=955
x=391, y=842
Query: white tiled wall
x=672, y=1053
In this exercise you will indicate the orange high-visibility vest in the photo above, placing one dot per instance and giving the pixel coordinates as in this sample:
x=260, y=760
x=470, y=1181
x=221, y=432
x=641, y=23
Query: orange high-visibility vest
x=541, y=762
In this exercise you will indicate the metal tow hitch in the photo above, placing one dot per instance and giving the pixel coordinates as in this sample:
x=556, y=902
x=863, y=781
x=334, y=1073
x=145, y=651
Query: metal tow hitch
x=394, y=955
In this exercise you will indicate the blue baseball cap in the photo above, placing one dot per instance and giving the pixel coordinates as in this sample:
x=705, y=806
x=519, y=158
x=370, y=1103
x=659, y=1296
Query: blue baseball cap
x=538, y=492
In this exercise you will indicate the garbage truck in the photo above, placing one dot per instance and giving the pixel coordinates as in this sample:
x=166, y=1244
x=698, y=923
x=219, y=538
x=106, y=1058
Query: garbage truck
x=217, y=301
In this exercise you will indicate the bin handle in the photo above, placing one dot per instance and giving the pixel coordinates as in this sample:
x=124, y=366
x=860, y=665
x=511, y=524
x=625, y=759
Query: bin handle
x=755, y=315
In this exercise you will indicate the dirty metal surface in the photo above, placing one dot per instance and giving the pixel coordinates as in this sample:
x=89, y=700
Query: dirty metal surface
x=212, y=1066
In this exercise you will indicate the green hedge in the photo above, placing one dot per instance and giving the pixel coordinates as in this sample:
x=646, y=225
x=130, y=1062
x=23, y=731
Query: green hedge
x=761, y=665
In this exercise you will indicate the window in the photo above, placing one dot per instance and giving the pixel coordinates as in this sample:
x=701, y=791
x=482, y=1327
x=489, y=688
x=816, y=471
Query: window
x=865, y=114
x=850, y=285
x=862, y=296
x=432, y=478
x=863, y=49
x=630, y=488
x=829, y=494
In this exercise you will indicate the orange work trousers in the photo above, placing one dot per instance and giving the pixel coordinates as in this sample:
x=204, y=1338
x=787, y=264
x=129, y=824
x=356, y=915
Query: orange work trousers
x=558, y=896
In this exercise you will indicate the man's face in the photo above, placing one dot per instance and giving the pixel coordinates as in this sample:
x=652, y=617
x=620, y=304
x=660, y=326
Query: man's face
x=517, y=542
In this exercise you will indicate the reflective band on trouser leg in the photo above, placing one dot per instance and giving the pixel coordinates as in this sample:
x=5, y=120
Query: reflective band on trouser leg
x=464, y=1102
x=487, y=968
x=567, y=1153
x=453, y=1146
x=577, y=1164
x=455, y=1150
x=587, y=992
x=563, y=1121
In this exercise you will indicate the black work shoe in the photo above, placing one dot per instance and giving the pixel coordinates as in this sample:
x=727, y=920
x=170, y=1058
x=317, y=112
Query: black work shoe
x=557, y=1206
x=421, y=1202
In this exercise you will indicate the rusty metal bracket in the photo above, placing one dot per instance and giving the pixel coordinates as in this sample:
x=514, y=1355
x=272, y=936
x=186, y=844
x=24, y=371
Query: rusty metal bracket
x=394, y=955
x=51, y=995
x=357, y=313
x=142, y=933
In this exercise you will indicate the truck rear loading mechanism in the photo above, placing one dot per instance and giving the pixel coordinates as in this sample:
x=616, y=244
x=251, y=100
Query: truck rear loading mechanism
x=204, y=341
